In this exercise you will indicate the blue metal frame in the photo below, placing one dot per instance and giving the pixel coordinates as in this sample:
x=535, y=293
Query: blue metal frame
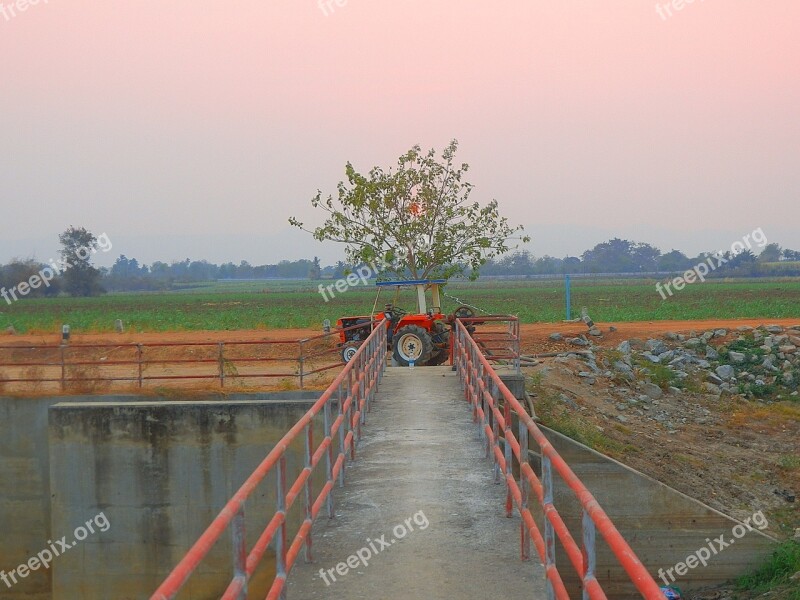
x=410, y=282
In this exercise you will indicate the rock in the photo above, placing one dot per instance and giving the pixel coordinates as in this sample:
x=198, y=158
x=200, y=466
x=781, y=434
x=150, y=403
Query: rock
x=637, y=344
x=744, y=328
x=579, y=341
x=725, y=372
x=666, y=356
x=674, y=390
x=595, y=332
x=693, y=342
x=788, y=349
x=714, y=378
x=671, y=335
x=118, y=326
x=624, y=347
x=794, y=340
x=621, y=406
x=612, y=329
x=568, y=401
x=624, y=370
x=788, y=378
x=652, y=358
x=622, y=419
x=656, y=346
x=707, y=335
x=797, y=536
x=703, y=364
x=720, y=332
x=710, y=388
x=774, y=328
x=652, y=390
x=556, y=337
x=736, y=357
x=712, y=354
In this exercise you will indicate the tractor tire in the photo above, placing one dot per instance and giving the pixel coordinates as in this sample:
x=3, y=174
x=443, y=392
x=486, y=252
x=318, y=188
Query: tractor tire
x=412, y=343
x=349, y=350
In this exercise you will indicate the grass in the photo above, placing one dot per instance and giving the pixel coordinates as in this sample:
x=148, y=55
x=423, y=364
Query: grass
x=557, y=416
x=783, y=563
x=257, y=305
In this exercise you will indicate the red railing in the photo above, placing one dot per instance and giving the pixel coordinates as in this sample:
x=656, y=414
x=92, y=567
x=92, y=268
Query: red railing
x=137, y=364
x=351, y=392
x=483, y=388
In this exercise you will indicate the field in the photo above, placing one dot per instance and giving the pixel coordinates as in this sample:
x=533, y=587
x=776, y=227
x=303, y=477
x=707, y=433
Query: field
x=272, y=305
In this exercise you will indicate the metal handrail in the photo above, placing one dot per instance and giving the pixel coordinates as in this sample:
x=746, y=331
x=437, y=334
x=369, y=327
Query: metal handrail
x=483, y=388
x=352, y=392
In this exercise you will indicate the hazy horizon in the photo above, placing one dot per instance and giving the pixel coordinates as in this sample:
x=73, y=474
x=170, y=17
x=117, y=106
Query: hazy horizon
x=196, y=131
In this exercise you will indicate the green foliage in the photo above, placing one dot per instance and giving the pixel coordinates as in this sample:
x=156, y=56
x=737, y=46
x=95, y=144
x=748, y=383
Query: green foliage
x=783, y=563
x=417, y=219
x=80, y=277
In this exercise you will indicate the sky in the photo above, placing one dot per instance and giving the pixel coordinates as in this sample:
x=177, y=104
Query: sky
x=195, y=129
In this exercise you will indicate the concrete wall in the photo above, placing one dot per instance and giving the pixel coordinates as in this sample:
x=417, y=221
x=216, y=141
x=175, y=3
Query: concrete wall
x=25, y=473
x=662, y=525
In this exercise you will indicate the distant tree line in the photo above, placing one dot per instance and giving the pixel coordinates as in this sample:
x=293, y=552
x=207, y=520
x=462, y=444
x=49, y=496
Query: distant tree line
x=613, y=256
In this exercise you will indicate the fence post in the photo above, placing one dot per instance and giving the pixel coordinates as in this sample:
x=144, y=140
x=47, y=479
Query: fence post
x=589, y=556
x=309, y=500
x=328, y=455
x=240, y=551
x=549, y=535
x=280, y=535
x=221, y=361
x=300, y=361
x=63, y=370
x=524, y=486
x=139, y=361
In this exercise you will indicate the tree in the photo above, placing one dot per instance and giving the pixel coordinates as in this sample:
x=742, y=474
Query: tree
x=770, y=253
x=80, y=277
x=315, y=272
x=417, y=220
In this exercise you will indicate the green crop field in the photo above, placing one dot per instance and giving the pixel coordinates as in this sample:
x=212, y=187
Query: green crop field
x=253, y=305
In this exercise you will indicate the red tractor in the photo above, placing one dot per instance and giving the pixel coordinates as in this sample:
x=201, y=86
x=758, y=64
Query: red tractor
x=422, y=337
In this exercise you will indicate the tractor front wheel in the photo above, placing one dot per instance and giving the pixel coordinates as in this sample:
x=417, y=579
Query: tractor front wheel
x=412, y=343
x=349, y=351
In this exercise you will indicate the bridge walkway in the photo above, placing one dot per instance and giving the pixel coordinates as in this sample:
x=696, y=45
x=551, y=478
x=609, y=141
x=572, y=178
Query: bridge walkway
x=419, y=475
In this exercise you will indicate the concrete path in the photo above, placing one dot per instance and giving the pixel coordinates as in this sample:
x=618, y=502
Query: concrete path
x=419, y=475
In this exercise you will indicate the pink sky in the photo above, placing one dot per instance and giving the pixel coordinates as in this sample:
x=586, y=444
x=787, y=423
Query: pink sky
x=197, y=128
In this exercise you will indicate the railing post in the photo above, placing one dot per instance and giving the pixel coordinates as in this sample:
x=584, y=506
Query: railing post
x=309, y=499
x=240, y=551
x=589, y=556
x=498, y=476
x=342, y=434
x=139, y=361
x=280, y=535
x=221, y=361
x=509, y=456
x=524, y=486
x=549, y=536
x=328, y=455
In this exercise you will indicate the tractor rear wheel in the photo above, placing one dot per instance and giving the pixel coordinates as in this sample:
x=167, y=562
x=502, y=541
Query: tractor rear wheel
x=412, y=343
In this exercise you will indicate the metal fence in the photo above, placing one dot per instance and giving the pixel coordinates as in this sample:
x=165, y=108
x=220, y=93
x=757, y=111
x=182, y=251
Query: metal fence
x=349, y=398
x=483, y=388
x=71, y=366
